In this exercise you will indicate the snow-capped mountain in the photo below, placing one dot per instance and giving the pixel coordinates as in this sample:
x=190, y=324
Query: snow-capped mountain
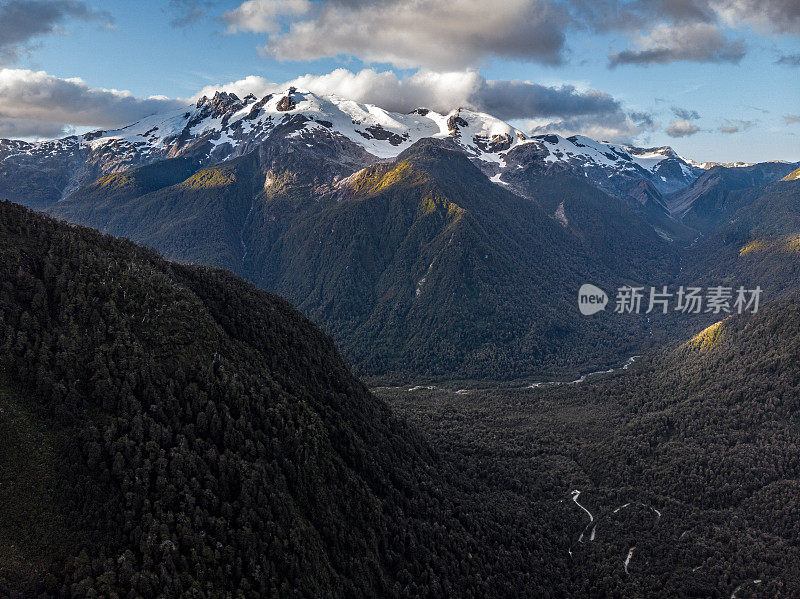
x=223, y=127
x=620, y=170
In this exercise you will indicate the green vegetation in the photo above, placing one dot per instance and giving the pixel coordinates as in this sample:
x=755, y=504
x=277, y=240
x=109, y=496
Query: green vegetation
x=756, y=243
x=706, y=434
x=793, y=176
x=188, y=215
x=33, y=531
x=418, y=268
x=169, y=430
x=140, y=181
x=210, y=178
x=713, y=199
x=421, y=267
x=198, y=437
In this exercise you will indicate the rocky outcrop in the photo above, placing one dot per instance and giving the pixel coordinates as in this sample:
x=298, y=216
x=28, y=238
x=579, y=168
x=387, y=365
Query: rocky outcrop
x=454, y=124
x=286, y=104
x=493, y=144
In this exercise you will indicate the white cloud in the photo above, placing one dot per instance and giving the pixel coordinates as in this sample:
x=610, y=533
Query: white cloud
x=773, y=16
x=442, y=92
x=263, y=16
x=456, y=34
x=35, y=104
x=682, y=129
x=407, y=33
x=40, y=105
x=31, y=129
x=617, y=127
x=736, y=126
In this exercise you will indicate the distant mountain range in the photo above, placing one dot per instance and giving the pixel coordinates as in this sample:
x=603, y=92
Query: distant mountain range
x=427, y=244
x=225, y=127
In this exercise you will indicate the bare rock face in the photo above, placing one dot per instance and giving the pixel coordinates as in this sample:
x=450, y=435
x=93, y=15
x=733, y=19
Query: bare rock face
x=378, y=132
x=222, y=126
x=255, y=109
x=221, y=104
x=493, y=144
x=454, y=124
x=645, y=194
x=286, y=103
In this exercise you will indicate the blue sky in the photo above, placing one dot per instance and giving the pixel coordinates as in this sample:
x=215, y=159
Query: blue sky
x=722, y=84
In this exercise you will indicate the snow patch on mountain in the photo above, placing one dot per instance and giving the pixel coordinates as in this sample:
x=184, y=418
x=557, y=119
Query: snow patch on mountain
x=225, y=119
x=224, y=126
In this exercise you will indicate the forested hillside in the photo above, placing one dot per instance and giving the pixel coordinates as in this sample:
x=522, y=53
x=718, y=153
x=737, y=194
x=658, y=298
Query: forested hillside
x=687, y=464
x=718, y=193
x=417, y=267
x=757, y=244
x=171, y=430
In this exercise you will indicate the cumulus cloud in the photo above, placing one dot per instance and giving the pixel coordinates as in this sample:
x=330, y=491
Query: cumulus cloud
x=438, y=91
x=638, y=15
x=407, y=33
x=263, y=16
x=36, y=104
x=682, y=129
x=774, y=16
x=620, y=128
x=520, y=99
x=457, y=34
x=736, y=126
x=25, y=128
x=22, y=22
x=664, y=31
x=697, y=42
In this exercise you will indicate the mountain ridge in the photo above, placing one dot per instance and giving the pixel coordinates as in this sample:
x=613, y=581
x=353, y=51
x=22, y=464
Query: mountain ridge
x=461, y=253
x=224, y=126
x=403, y=262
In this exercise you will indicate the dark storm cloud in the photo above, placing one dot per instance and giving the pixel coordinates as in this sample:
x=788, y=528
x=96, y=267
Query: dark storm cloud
x=699, y=42
x=23, y=22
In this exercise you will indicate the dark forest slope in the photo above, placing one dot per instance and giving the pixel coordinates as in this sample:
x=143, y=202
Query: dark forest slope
x=418, y=267
x=688, y=462
x=171, y=429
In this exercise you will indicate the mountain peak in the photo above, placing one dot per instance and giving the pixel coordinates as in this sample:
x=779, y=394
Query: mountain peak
x=224, y=126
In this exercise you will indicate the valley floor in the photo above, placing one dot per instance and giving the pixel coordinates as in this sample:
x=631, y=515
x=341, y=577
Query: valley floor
x=556, y=448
